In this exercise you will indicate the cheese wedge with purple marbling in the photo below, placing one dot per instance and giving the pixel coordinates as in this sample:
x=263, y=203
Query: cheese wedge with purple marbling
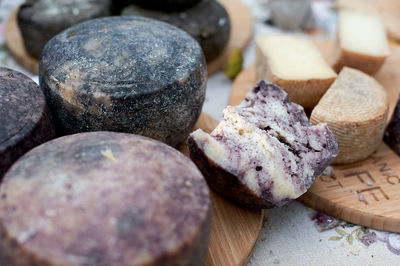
x=264, y=152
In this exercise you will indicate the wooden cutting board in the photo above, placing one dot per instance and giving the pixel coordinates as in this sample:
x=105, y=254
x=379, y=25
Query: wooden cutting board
x=234, y=230
x=365, y=193
x=241, y=32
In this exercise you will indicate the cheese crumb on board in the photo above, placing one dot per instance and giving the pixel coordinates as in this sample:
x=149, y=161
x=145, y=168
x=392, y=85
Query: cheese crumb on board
x=361, y=42
x=294, y=64
x=355, y=108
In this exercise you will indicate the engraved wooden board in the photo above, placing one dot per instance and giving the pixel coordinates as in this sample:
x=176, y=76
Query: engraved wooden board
x=241, y=32
x=365, y=193
x=234, y=230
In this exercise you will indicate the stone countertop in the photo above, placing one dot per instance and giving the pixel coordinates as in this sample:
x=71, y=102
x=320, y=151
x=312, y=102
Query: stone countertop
x=290, y=235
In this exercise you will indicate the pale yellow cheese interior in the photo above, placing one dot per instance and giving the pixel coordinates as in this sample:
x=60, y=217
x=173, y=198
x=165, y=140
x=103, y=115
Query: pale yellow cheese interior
x=363, y=33
x=293, y=58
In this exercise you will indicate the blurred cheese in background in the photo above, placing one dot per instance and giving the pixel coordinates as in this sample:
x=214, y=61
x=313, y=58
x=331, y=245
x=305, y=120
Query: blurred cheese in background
x=361, y=41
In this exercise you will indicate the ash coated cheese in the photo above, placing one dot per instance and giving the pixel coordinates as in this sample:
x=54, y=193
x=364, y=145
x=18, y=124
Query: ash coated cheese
x=24, y=119
x=124, y=74
x=295, y=65
x=212, y=33
x=264, y=152
x=392, y=133
x=41, y=20
x=355, y=108
x=104, y=198
x=166, y=5
x=361, y=42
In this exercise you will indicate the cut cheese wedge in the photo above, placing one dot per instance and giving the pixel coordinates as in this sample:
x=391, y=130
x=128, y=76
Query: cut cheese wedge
x=355, y=108
x=295, y=65
x=361, y=42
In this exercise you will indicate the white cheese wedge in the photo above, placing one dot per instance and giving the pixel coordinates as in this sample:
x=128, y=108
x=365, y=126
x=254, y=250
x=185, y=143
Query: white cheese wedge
x=355, y=108
x=294, y=64
x=361, y=42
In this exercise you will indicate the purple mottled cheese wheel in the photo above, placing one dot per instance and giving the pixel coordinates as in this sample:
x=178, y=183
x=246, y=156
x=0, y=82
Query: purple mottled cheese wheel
x=392, y=132
x=264, y=152
x=104, y=198
x=24, y=119
x=124, y=74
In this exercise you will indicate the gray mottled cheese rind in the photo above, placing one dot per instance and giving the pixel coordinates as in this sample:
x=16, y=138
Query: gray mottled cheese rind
x=104, y=198
x=212, y=33
x=41, y=20
x=24, y=119
x=124, y=74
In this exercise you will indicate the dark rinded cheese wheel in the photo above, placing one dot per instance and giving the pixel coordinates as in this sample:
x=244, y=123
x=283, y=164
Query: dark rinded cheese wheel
x=212, y=33
x=124, y=74
x=162, y=5
x=392, y=133
x=41, y=20
x=24, y=119
x=104, y=198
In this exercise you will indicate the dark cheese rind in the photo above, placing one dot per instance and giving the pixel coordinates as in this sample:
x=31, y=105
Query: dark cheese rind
x=392, y=133
x=124, y=74
x=24, y=119
x=104, y=198
x=41, y=20
x=212, y=33
x=162, y=5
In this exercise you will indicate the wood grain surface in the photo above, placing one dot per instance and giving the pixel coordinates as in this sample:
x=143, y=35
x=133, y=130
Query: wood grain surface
x=365, y=193
x=234, y=230
x=241, y=32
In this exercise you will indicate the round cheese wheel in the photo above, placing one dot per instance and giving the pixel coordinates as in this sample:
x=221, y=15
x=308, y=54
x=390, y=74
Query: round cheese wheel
x=104, y=198
x=41, y=20
x=124, y=74
x=163, y=5
x=24, y=119
x=212, y=33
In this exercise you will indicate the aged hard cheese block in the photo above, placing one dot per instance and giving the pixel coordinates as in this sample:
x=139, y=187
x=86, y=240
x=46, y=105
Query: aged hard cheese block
x=264, y=152
x=104, y=198
x=24, y=119
x=41, y=20
x=355, y=108
x=212, y=33
x=361, y=42
x=295, y=65
x=392, y=133
x=124, y=74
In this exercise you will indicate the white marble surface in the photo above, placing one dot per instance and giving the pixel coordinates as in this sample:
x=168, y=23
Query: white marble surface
x=288, y=237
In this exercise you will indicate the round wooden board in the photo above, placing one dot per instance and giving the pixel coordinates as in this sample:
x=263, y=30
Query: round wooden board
x=365, y=193
x=234, y=230
x=241, y=32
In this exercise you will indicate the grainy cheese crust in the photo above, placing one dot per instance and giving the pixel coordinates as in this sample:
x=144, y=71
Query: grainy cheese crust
x=355, y=108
